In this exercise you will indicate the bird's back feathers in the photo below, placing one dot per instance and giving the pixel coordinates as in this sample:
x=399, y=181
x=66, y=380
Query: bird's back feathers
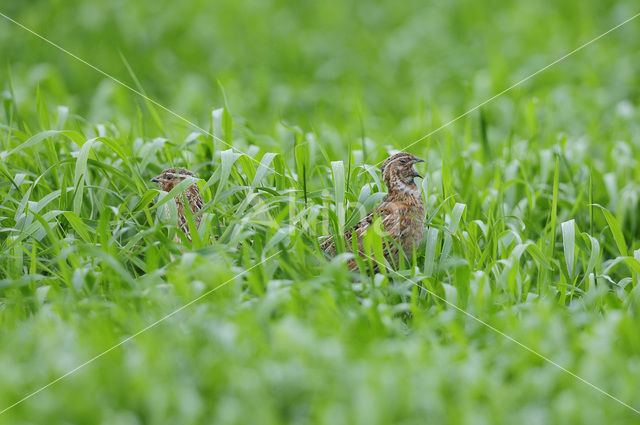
x=402, y=213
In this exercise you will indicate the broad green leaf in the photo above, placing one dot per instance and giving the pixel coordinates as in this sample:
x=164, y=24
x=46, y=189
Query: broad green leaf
x=78, y=225
x=227, y=159
x=337, y=171
x=81, y=175
x=430, y=251
x=264, y=168
x=569, y=244
x=537, y=254
x=615, y=231
x=456, y=216
x=227, y=126
x=593, y=256
x=145, y=200
x=37, y=138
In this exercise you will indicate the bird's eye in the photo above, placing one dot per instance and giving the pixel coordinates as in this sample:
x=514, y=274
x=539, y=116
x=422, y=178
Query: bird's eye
x=170, y=177
x=403, y=161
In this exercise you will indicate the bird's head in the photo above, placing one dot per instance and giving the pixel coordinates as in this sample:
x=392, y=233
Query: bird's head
x=398, y=171
x=170, y=177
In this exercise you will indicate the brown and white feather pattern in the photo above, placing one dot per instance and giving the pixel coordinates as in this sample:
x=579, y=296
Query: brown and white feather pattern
x=167, y=180
x=402, y=211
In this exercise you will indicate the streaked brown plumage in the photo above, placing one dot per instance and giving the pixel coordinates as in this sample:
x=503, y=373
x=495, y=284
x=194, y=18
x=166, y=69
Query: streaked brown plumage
x=402, y=211
x=167, y=180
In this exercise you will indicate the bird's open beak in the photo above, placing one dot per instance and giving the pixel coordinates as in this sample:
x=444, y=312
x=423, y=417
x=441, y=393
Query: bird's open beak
x=415, y=173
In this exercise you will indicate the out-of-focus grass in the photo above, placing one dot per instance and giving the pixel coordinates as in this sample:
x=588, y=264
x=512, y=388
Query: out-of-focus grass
x=535, y=228
x=400, y=68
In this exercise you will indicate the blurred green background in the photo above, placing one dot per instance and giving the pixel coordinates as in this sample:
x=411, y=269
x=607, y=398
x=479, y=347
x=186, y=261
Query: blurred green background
x=399, y=68
x=293, y=340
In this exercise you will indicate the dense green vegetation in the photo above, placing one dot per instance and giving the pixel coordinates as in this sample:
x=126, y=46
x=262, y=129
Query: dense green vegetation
x=533, y=200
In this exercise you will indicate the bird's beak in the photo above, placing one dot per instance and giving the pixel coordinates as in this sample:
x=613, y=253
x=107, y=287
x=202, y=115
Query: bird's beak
x=156, y=179
x=415, y=173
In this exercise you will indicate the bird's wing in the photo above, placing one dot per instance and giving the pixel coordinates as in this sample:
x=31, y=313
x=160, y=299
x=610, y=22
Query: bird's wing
x=328, y=245
x=391, y=213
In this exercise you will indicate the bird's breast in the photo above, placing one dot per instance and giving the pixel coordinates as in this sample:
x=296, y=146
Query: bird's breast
x=406, y=222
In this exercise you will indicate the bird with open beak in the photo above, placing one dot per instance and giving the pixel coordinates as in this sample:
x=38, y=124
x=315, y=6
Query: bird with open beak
x=402, y=211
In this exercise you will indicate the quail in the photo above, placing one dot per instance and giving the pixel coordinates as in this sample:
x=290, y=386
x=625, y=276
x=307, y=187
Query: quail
x=167, y=180
x=402, y=212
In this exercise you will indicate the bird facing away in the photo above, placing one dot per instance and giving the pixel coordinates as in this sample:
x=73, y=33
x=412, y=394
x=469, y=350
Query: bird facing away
x=170, y=178
x=402, y=212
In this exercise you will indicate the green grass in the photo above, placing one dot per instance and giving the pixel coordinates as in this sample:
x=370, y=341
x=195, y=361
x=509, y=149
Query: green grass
x=533, y=201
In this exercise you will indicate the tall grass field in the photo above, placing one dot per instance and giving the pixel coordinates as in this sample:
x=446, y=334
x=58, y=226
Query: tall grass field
x=522, y=305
